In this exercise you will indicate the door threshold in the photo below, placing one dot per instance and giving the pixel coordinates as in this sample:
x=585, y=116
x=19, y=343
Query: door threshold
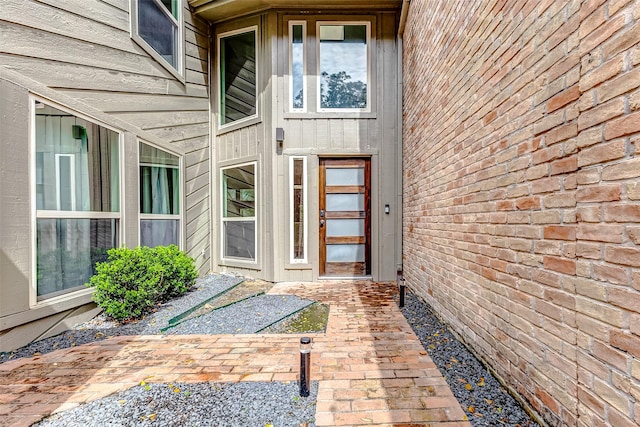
x=345, y=278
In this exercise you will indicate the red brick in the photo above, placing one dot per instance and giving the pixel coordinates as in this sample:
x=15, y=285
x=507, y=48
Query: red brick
x=599, y=193
x=560, y=232
x=622, y=255
x=561, y=265
x=622, y=213
x=625, y=342
x=622, y=126
x=600, y=233
x=601, y=153
x=563, y=98
x=565, y=165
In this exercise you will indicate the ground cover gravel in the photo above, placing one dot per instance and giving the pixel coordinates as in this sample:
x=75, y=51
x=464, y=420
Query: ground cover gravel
x=101, y=327
x=205, y=404
x=248, y=316
x=484, y=400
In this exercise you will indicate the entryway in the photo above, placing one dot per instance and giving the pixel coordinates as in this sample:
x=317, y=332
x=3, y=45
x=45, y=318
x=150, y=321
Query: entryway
x=345, y=217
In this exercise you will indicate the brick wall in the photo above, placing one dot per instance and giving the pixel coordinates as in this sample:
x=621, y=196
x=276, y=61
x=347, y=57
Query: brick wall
x=522, y=193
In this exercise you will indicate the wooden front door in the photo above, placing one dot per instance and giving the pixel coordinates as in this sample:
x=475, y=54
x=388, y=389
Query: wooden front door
x=344, y=218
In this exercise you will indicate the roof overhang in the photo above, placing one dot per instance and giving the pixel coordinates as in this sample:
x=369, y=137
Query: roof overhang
x=222, y=10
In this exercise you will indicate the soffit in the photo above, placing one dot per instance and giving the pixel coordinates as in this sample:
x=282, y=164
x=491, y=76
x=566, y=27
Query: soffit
x=221, y=10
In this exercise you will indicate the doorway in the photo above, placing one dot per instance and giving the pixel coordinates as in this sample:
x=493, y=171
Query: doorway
x=345, y=217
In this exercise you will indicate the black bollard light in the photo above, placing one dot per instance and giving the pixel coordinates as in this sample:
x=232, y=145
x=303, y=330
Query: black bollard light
x=402, y=289
x=305, y=365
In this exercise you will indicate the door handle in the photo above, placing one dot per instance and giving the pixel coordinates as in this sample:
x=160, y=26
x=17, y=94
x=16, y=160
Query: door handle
x=322, y=223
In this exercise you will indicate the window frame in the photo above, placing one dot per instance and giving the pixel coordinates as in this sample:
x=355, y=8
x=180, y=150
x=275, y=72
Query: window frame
x=254, y=117
x=368, y=108
x=36, y=301
x=181, y=197
x=305, y=89
x=179, y=71
x=305, y=203
x=229, y=260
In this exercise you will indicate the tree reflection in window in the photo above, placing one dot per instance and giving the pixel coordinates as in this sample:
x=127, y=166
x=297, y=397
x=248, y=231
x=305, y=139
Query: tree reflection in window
x=343, y=66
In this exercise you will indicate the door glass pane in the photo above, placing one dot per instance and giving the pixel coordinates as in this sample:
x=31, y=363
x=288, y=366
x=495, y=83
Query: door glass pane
x=345, y=253
x=159, y=232
x=345, y=202
x=240, y=239
x=345, y=227
x=343, y=66
x=68, y=249
x=351, y=176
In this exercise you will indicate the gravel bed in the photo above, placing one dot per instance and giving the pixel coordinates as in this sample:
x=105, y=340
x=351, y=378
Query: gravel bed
x=248, y=316
x=203, y=404
x=483, y=399
x=101, y=327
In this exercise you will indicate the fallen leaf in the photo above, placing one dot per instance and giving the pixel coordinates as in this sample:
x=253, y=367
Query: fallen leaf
x=471, y=409
x=152, y=417
x=454, y=360
x=468, y=386
x=481, y=382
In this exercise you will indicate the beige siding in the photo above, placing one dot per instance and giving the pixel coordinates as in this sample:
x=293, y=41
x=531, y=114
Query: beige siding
x=324, y=134
x=80, y=54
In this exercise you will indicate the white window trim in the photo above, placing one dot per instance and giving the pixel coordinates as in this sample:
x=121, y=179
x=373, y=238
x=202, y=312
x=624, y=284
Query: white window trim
x=180, y=216
x=305, y=90
x=179, y=71
x=36, y=214
x=305, y=231
x=319, y=79
x=223, y=220
x=255, y=116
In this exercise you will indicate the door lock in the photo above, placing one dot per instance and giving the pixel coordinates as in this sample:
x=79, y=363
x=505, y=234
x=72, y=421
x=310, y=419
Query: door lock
x=321, y=213
x=322, y=223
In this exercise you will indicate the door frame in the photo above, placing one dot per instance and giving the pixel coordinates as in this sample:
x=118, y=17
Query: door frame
x=365, y=162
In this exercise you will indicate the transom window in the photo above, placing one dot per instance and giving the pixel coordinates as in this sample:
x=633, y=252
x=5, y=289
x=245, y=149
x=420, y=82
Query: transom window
x=77, y=190
x=238, y=75
x=157, y=26
x=343, y=65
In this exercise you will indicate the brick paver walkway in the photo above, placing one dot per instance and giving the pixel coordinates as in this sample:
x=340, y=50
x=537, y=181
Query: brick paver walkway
x=371, y=367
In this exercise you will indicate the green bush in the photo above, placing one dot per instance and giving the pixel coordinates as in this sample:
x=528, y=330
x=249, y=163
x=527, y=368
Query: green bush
x=134, y=280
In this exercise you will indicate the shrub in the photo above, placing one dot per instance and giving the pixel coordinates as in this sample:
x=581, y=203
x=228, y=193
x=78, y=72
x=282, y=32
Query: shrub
x=134, y=280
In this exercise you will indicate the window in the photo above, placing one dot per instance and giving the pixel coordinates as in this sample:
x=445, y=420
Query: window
x=343, y=57
x=77, y=190
x=237, y=59
x=159, y=197
x=157, y=26
x=297, y=201
x=239, y=212
x=297, y=68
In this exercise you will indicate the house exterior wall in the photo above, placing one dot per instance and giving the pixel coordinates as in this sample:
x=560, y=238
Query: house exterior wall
x=521, y=194
x=311, y=135
x=80, y=55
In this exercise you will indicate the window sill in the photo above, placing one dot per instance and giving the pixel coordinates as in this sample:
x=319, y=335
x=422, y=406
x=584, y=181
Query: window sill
x=301, y=266
x=238, y=124
x=237, y=263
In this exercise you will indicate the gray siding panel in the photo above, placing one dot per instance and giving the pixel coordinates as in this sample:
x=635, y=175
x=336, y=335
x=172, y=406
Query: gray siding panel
x=80, y=53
